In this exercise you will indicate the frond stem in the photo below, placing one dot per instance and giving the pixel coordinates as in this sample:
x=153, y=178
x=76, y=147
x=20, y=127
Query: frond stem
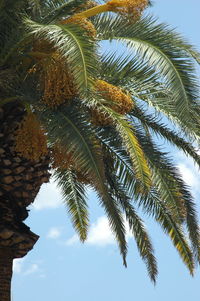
x=94, y=11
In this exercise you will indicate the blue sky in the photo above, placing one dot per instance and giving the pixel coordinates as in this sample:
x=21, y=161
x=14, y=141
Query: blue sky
x=60, y=268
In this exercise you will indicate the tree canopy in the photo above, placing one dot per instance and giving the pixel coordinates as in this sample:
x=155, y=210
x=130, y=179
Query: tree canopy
x=96, y=113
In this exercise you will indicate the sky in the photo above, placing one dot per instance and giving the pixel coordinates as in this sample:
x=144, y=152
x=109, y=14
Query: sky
x=61, y=268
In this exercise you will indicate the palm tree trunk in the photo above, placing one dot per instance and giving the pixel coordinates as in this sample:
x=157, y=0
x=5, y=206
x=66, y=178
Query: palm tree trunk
x=20, y=181
x=6, y=261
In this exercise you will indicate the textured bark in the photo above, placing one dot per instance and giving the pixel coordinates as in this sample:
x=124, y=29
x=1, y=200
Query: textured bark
x=20, y=181
x=6, y=260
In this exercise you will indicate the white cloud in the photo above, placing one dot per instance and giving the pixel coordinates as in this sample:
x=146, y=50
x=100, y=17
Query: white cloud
x=190, y=172
x=100, y=234
x=73, y=240
x=17, y=265
x=48, y=197
x=189, y=175
x=32, y=269
x=54, y=233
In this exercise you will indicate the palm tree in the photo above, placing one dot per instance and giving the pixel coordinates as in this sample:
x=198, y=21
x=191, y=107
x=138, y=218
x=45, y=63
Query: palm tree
x=91, y=119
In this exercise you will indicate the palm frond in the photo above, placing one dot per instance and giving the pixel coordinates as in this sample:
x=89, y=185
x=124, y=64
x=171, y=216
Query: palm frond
x=151, y=42
x=155, y=207
x=127, y=70
x=142, y=239
x=74, y=46
x=122, y=162
x=141, y=169
x=160, y=100
x=191, y=218
x=74, y=133
x=126, y=132
x=74, y=196
x=163, y=131
x=62, y=9
x=135, y=223
x=165, y=178
x=115, y=218
x=88, y=154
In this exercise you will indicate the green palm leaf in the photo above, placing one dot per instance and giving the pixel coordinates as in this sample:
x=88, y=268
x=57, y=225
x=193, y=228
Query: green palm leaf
x=163, y=105
x=163, y=175
x=135, y=223
x=115, y=218
x=87, y=152
x=153, y=205
x=61, y=9
x=130, y=142
x=74, y=46
x=162, y=130
x=142, y=239
x=119, y=161
x=151, y=42
x=174, y=230
x=191, y=218
x=127, y=71
x=74, y=196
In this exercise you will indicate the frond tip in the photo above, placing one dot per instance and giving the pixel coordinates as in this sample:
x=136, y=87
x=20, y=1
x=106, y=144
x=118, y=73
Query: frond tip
x=74, y=196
